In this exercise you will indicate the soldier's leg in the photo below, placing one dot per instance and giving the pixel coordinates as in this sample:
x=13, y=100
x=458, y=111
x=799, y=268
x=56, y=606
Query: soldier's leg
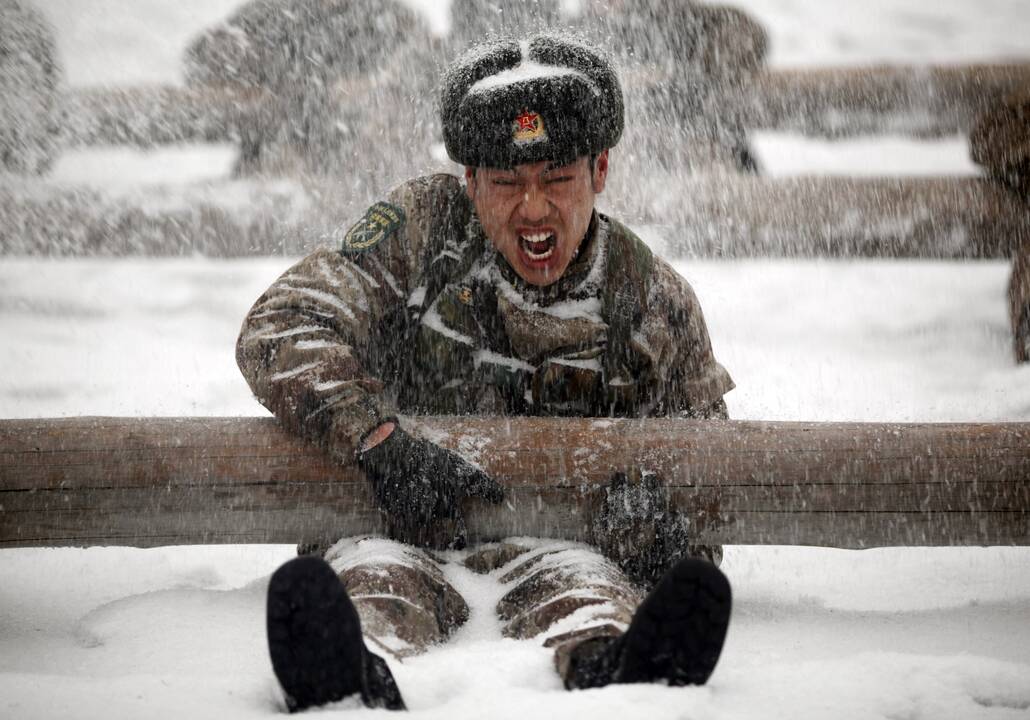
x=586, y=608
x=559, y=588
x=315, y=642
x=676, y=635
x=1000, y=142
x=400, y=593
x=1019, y=302
x=320, y=612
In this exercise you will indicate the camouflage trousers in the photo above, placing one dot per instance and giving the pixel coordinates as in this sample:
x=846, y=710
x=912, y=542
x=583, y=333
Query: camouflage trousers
x=560, y=592
x=1019, y=302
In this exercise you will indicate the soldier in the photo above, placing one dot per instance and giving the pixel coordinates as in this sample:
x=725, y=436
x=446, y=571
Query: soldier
x=1000, y=142
x=692, y=62
x=326, y=72
x=29, y=79
x=508, y=294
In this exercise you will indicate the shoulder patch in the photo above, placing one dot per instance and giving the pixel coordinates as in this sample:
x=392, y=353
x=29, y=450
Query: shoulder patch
x=378, y=223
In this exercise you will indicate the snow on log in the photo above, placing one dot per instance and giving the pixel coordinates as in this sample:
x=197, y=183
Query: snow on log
x=159, y=481
x=719, y=215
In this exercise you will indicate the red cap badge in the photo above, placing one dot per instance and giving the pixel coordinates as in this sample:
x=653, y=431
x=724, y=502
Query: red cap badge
x=528, y=127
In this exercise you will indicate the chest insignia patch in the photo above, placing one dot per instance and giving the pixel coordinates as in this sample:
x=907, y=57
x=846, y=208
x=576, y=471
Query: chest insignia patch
x=378, y=223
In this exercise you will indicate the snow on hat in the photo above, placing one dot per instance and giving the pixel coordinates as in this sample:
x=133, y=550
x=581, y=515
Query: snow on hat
x=549, y=97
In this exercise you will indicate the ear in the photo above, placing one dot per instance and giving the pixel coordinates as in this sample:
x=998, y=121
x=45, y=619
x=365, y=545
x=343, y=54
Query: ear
x=470, y=182
x=600, y=171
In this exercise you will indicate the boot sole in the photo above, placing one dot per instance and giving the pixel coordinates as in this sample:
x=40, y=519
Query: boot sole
x=314, y=634
x=678, y=631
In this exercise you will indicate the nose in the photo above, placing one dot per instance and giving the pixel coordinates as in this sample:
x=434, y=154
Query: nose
x=535, y=205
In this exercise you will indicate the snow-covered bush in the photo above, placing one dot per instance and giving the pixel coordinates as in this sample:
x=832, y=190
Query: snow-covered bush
x=349, y=82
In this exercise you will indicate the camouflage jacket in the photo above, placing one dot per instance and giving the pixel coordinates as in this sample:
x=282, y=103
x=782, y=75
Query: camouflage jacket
x=418, y=314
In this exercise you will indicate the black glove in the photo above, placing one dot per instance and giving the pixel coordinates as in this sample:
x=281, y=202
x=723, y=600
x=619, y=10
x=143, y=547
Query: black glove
x=636, y=528
x=420, y=487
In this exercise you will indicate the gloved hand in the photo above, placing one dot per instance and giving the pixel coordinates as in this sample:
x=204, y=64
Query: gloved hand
x=420, y=487
x=636, y=529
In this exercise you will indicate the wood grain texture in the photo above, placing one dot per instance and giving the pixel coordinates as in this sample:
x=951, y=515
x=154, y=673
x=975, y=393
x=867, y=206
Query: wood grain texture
x=157, y=481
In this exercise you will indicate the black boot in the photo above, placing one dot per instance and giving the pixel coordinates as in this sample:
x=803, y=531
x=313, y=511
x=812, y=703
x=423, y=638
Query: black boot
x=676, y=634
x=314, y=638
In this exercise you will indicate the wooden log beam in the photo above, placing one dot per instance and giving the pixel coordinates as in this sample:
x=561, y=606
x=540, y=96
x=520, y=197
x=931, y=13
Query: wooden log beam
x=156, y=115
x=924, y=101
x=744, y=216
x=227, y=219
x=158, y=481
x=915, y=100
x=723, y=216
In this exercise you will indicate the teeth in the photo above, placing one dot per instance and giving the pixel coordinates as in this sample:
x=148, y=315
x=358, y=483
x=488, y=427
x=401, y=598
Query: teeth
x=537, y=239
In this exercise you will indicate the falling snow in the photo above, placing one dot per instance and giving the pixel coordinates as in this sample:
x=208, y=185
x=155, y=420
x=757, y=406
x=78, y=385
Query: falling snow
x=178, y=632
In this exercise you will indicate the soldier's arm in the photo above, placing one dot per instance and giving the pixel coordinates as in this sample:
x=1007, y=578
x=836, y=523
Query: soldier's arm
x=688, y=380
x=306, y=346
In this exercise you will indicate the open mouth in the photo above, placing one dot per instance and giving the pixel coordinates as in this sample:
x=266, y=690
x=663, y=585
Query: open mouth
x=538, y=246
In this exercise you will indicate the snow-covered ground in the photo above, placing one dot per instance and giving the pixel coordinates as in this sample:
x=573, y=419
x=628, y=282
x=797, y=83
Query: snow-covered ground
x=167, y=633
x=871, y=340
x=817, y=633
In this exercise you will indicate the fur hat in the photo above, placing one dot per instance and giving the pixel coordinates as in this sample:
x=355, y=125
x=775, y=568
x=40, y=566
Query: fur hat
x=548, y=97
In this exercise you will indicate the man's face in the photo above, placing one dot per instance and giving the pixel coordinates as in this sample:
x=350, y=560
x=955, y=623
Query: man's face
x=536, y=215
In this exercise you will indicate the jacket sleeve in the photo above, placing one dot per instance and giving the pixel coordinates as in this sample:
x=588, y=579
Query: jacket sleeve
x=687, y=380
x=307, y=347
